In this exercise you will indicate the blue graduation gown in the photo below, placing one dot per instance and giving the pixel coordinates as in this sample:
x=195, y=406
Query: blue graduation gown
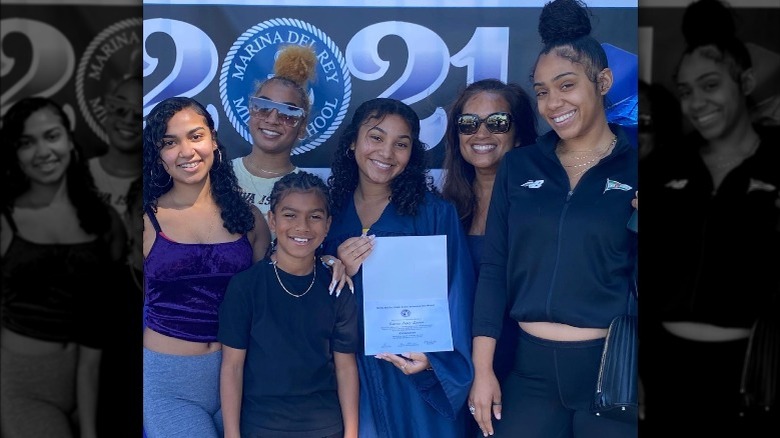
x=429, y=403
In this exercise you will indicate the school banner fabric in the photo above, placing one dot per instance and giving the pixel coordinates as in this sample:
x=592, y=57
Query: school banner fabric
x=421, y=52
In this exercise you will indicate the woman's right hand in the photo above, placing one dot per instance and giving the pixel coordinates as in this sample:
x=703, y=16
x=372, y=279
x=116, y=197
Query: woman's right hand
x=485, y=397
x=353, y=251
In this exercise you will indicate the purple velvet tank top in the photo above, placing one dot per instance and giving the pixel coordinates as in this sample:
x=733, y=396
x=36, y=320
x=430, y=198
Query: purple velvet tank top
x=186, y=282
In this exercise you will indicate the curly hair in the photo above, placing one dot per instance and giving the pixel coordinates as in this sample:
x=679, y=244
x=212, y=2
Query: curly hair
x=92, y=211
x=236, y=211
x=458, y=175
x=409, y=187
x=564, y=26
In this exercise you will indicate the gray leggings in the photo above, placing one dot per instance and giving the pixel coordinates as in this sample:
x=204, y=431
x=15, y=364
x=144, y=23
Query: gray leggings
x=37, y=393
x=181, y=395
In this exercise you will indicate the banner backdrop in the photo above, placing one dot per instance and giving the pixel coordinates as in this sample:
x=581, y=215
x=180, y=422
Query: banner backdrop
x=421, y=52
x=71, y=51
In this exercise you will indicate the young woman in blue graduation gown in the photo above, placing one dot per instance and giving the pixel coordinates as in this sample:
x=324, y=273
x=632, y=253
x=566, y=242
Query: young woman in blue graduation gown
x=380, y=187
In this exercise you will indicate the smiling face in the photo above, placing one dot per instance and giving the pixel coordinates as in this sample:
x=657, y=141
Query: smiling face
x=709, y=97
x=124, y=117
x=187, y=148
x=44, y=148
x=566, y=98
x=382, y=149
x=269, y=134
x=301, y=222
x=485, y=149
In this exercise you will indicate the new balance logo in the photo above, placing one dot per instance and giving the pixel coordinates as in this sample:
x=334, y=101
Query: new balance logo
x=531, y=184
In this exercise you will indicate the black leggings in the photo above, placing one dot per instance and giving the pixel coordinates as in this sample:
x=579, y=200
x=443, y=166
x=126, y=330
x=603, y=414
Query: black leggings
x=549, y=392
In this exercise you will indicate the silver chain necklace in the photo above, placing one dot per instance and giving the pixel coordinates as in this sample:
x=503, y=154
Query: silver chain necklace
x=314, y=277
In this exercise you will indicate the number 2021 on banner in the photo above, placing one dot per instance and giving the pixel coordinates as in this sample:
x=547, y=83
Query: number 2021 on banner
x=485, y=55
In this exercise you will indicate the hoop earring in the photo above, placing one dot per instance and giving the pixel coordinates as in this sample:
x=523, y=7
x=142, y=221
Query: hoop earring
x=154, y=180
x=347, y=153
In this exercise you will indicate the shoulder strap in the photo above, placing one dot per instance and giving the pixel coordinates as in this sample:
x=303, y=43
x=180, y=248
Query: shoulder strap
x=153, y=219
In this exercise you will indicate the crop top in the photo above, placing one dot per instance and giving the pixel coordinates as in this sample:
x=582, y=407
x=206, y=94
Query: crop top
x=47, y=288
x=186, y=282
x=552, y=253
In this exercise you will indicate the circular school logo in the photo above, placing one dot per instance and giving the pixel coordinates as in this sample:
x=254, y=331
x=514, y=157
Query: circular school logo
x=114, y=54
x=405, y=313
x=251, y=59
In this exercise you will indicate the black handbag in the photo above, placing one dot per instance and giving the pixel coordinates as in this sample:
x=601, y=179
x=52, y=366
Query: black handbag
x=616, y=394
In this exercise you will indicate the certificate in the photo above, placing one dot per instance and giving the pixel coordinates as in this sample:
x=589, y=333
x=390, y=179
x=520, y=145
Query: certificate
x=405, y=304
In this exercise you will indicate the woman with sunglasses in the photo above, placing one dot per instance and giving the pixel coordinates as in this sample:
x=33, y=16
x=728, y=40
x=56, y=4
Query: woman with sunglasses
x=558, y=254
x=59, y=244
x=488, y=119
x=278, y=113
x=380, y=186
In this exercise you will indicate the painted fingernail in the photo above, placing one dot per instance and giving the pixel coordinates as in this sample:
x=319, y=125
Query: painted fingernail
x=352, y=290
x=330, y=289
x=338, y=292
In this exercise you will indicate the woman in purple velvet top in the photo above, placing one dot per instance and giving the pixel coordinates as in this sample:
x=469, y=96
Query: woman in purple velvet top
x=198, y=233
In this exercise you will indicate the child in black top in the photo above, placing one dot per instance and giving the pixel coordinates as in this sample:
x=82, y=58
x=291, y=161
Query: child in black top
x=288, y=366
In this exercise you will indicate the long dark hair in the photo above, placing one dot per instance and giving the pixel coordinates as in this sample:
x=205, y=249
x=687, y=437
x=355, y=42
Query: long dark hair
x=93, y=214
x=458, y=179
x=236, y=211
x=407, y=189
x=564, y=26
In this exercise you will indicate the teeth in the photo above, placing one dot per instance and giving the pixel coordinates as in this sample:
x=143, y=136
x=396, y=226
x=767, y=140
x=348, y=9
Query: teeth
x=270, y=133
x=381, y=164
x=48, y=165
x=566, y=116
x=483, y=147
x=300, y=240
x=707, y=118
x=188, y=165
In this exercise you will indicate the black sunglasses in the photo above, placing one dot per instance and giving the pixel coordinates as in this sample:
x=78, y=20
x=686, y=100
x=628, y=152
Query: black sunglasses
x=496, y=123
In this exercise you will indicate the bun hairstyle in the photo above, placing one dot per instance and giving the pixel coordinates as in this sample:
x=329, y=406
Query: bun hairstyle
x=709, y=29
x=294, y=67
x=564, y=26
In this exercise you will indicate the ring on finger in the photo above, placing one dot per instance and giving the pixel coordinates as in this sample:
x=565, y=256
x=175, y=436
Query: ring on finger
x=472, y=409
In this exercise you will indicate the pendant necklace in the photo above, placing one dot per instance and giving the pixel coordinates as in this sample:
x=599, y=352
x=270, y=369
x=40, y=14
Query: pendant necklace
x=314, y=277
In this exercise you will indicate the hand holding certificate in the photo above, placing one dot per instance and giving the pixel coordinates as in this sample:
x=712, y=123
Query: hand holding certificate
x=405, y=303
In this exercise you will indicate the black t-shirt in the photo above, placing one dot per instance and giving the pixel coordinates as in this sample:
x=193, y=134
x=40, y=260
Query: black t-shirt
x=289, y=385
